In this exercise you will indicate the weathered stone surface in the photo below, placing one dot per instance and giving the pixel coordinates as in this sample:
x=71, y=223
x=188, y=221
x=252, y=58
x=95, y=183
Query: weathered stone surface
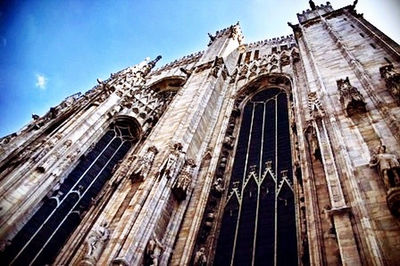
x=163, y=203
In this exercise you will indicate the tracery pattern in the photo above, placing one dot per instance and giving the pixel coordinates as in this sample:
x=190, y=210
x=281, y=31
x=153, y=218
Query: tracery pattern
x=43, y=236
x=258, y=225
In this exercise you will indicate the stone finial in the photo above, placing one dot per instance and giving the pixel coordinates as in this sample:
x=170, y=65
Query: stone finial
x=150, y=65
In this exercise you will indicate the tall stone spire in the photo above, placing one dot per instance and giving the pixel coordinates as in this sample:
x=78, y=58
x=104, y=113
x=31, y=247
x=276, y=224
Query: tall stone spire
x=150, y=65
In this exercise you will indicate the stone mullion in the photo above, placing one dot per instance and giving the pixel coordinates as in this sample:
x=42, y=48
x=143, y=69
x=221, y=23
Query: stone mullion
x=110, y=199
x=74, y=250
x=45, y=183
x=360, y=72
x=30, y=166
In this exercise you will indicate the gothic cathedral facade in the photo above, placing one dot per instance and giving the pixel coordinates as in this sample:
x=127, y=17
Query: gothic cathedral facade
x=279, y=152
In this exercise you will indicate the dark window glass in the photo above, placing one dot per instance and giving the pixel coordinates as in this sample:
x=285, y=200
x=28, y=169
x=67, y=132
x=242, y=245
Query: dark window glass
x=256, y=54
x=43, y=236
x=247, y=58
x=240, y=59
x=258, y=225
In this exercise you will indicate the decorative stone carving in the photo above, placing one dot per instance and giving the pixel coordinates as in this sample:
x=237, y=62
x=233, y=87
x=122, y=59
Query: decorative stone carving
x=218, y=187
x=388, y=167
x=351, y=99
x=243, y=72
x=182, y=183
x=144, y=164
x=200, y=258
x=392, y=80
x=170, y=165
x=153, y=252
x=315, y=106
x=235, y=33
x=96, y=242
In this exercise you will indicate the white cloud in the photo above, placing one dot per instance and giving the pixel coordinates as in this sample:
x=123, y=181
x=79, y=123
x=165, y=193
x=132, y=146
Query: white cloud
x=41, y=81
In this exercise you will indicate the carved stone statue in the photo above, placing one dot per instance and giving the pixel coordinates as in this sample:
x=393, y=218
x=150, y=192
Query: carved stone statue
x=388, y=167
x=184, y=180
x=144, y=164
x=96, y=241
x=218, y=186
x=350, y=97
x=392, y=80
x=200, y=258
x=153, y=251
x=170, y=165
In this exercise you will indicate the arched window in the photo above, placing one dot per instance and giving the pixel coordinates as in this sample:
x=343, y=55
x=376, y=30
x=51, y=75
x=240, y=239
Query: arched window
x=43, y=236
x=259, y=224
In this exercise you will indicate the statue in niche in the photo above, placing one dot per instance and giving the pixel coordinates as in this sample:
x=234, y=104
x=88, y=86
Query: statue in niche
x=96, y=241
x=388, y=167
x=144, y=164
x=184, y=180
x=200, y=258
x=392, y=80
x=351, y=99
x=313, y=143
x=153, y=251
x=170, y=165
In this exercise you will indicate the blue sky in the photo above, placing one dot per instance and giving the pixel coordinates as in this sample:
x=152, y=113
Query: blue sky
x=52, y=49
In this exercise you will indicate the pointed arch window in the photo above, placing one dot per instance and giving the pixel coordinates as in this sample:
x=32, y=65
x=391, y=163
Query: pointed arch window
x=43, y=236
x=259, y=223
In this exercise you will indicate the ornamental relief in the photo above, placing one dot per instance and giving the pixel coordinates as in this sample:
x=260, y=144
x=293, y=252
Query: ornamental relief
x=272, y=63
x=392, y=80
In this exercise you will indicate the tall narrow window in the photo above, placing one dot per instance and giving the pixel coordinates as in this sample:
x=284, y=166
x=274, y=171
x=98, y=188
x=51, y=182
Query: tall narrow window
x=247, y=58
x=240, y=58
x=43, y=236
x=258, y=225
x=256, y=54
